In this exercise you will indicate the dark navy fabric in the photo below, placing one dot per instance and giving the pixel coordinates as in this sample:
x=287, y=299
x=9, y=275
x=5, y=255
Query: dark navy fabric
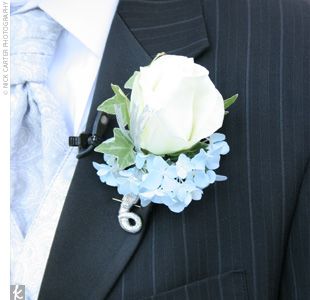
x=249, y=237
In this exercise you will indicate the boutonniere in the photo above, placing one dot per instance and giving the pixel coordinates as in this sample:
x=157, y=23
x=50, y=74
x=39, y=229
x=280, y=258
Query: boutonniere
x=166, y=148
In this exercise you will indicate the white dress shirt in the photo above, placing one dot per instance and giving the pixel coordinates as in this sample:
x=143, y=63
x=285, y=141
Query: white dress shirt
x=72, y=78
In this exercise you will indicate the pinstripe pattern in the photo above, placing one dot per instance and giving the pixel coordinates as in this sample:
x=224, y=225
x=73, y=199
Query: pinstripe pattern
x=295, y=284
x=249, y=237
x=123, y=288
x=252, y=235
x=177, y=50
x=281, y=116
x=153, y=258
x=154, y=22
x=248, y=140
x=166, y=25
x=218, y=235
x=295, y=291
x=185, y=248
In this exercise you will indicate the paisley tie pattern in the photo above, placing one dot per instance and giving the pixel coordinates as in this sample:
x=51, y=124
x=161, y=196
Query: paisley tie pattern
x=42, y=165
x=38, y=131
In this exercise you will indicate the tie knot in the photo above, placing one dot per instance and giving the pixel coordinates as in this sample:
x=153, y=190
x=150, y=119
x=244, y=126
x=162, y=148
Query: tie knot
x=34, y=35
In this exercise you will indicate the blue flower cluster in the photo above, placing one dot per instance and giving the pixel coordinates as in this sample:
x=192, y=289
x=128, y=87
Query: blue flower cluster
x=175, y=184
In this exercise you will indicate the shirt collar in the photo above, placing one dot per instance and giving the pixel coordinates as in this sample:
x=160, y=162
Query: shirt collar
x=89, y=23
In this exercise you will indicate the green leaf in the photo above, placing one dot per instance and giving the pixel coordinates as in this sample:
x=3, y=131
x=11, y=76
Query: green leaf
x=120, y=147
x=119, y=99
x=108, y=106
x=129, y=82
x=230, y=101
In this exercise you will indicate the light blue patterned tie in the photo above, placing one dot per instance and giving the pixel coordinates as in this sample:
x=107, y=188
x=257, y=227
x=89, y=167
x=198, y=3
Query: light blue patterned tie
x=38, y=131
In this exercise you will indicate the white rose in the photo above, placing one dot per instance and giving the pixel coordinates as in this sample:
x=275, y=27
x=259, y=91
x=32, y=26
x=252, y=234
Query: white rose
x=183, y=104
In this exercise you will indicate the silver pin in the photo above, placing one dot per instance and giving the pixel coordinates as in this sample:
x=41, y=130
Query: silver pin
x=125, y=215
x=119, y=200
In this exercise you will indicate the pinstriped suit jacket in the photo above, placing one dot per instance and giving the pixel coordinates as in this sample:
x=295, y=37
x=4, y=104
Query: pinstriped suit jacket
x=248, y=238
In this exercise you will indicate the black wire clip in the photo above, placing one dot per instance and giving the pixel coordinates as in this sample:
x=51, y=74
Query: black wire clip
x=87, y=142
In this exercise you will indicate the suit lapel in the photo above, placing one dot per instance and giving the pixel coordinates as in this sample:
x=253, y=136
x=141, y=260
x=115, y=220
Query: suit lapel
x=174, y=27
x=90, y=249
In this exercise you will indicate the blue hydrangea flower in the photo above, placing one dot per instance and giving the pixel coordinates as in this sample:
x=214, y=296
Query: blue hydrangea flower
x=186, y=192
x=169, y=186
x=213, y=159
x=129, y=181
x=217, y=147
x=217, y=137
x=156, y=196
x=156, y=180
x=217, y=142
x=199, y=160
x=106, y=173
x=200, y=178
x=141, y=159
x=183, y=166
x=221, y=178
x=157, y=169
x=111, y=160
